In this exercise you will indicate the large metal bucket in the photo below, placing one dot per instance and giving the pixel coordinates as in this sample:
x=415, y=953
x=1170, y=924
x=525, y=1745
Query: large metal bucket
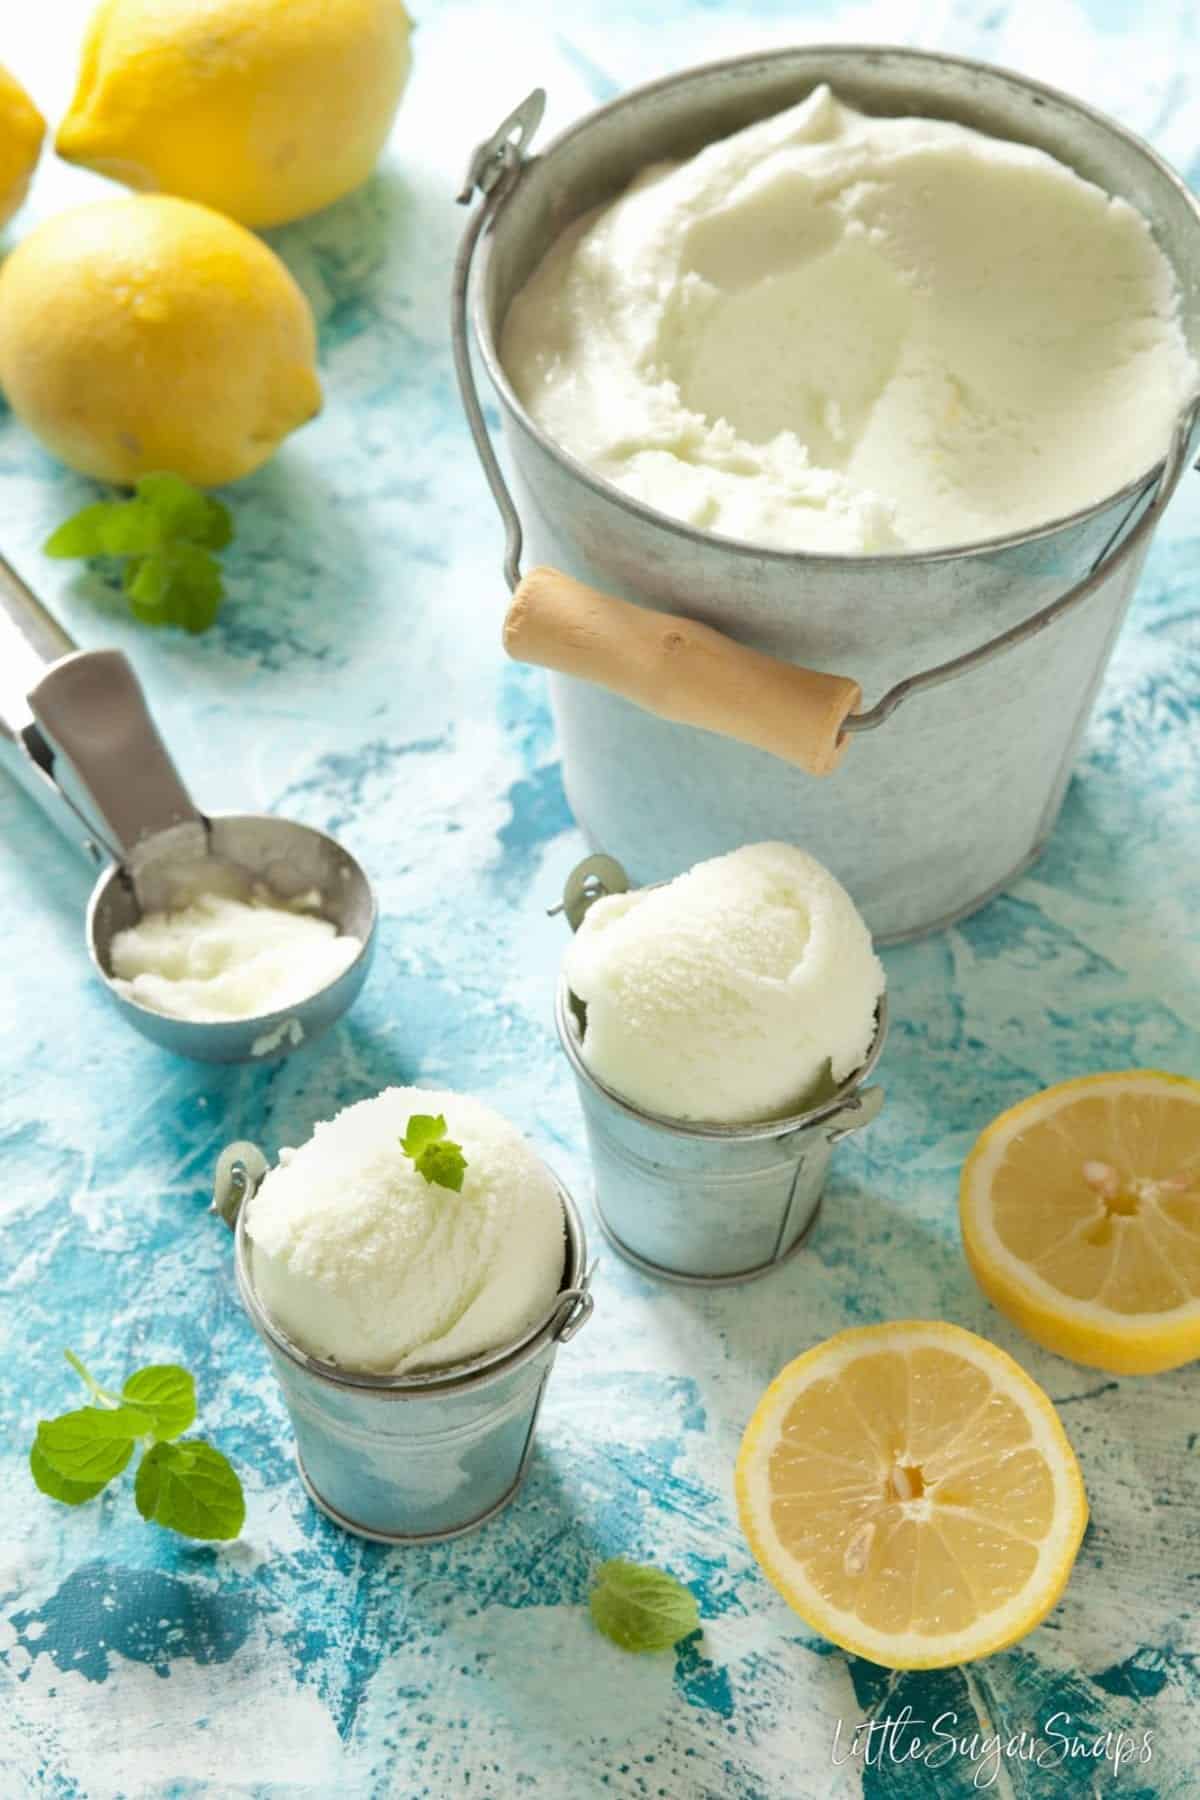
x=979, y=665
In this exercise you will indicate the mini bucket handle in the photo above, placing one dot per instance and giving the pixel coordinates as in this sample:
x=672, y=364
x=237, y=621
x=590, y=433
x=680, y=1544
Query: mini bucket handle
x=676, y=667
x=239, y=1172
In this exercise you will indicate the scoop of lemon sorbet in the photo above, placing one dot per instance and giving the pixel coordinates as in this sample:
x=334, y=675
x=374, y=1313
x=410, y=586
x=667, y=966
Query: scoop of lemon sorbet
x=363, y=1262
x=730, y=994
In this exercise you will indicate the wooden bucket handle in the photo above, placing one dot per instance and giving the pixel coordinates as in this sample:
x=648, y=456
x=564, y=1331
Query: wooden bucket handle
x=681, y=670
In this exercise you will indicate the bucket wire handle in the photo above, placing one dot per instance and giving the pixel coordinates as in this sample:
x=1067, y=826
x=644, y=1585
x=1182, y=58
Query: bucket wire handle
x=862, y=1110
x=676, y=667
x=239, y=1172
x=1108, y=563
x=574, y=1309
x=492, y=170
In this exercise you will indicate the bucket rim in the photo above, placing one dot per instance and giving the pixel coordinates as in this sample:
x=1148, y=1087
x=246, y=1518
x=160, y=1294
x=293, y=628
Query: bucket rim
x=1132, y=491
x=478, y=1371
x=707, y=1129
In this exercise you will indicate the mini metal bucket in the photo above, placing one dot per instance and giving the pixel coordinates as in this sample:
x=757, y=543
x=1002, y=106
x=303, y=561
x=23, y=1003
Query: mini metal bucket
x=410, y=1458
x=982, y=660
x=710, y=1204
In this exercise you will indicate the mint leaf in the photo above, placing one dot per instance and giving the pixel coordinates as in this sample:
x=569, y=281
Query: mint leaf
x=92, y=1444
x=168, y=531
x=641, y=1608
x=106, y=528
x=180, y=585
x=145, y=582
x=47, y=1477
x=422, y=1130
x=437, y=1157
x=191, y=1488
x=445, y=1164
x=194, y=589
x=166, y=1394
x=188, y=1486
x=184, y=513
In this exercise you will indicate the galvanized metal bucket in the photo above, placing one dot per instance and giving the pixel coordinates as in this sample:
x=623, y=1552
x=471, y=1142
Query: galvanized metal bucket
x=410, y=1458
x=981, y=662
x=707, y=1205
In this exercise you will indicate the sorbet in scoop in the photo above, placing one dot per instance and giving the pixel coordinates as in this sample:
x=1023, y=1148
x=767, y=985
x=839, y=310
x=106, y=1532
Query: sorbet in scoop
x=361, y=1261
x=730, y=994
x=224, y=957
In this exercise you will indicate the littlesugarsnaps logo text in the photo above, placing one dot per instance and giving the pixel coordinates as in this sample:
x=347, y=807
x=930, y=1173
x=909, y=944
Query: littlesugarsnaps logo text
x=901, y=1737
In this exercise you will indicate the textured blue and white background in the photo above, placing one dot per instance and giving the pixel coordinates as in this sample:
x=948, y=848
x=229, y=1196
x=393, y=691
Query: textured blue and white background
x=355, y=681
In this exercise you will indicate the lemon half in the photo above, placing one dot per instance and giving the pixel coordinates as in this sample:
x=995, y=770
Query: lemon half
x=912, y=1494
x=1080, y=1213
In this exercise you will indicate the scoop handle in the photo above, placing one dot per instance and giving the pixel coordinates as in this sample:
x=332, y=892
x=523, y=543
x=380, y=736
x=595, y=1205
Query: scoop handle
x=681, y=670
x=92, y=706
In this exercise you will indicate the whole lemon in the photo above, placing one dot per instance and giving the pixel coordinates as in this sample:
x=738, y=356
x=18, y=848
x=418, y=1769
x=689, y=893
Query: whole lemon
x=22, y=128
x=265, y=109
x=150, y=333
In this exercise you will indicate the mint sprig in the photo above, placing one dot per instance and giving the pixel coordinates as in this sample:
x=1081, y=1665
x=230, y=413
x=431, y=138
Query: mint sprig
x=437, y=1157
x=641, y=1608
x=182, y=1483
x=166, y=534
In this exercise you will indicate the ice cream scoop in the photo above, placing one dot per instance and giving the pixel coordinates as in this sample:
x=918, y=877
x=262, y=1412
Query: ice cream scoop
x=361, y=1259
x=735, y=993
x=76, y=732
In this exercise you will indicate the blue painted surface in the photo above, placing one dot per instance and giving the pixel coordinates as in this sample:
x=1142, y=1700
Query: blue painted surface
x=355, y=681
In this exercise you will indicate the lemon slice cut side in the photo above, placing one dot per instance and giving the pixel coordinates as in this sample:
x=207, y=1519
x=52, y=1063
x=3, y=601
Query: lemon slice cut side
x=912, y=1494
x=1080, y=1213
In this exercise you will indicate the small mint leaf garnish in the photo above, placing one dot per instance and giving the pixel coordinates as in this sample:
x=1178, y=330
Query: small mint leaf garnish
x=168, y=531
x=444, y=1164
x=166, y=1394
x=438, y=1158
x=184, y=513
x=188, y=1485
x=106, y=528
x=641, y=1608
x=422, y=1130
x=47, y=1477
x=92, y=1444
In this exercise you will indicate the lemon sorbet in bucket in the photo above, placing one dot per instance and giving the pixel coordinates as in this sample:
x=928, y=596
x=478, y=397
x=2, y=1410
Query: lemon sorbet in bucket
x=737, y=992
x=838, y=333
x=365, y=1253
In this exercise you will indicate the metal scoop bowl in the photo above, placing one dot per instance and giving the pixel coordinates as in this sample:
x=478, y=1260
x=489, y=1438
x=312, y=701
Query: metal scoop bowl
x=75, y=730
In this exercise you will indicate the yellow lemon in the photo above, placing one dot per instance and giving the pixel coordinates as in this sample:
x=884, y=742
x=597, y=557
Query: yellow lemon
x=150, y=333
x=22, y=128
x=1080, y=1213
x=264, y=109
x=912, y=1494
